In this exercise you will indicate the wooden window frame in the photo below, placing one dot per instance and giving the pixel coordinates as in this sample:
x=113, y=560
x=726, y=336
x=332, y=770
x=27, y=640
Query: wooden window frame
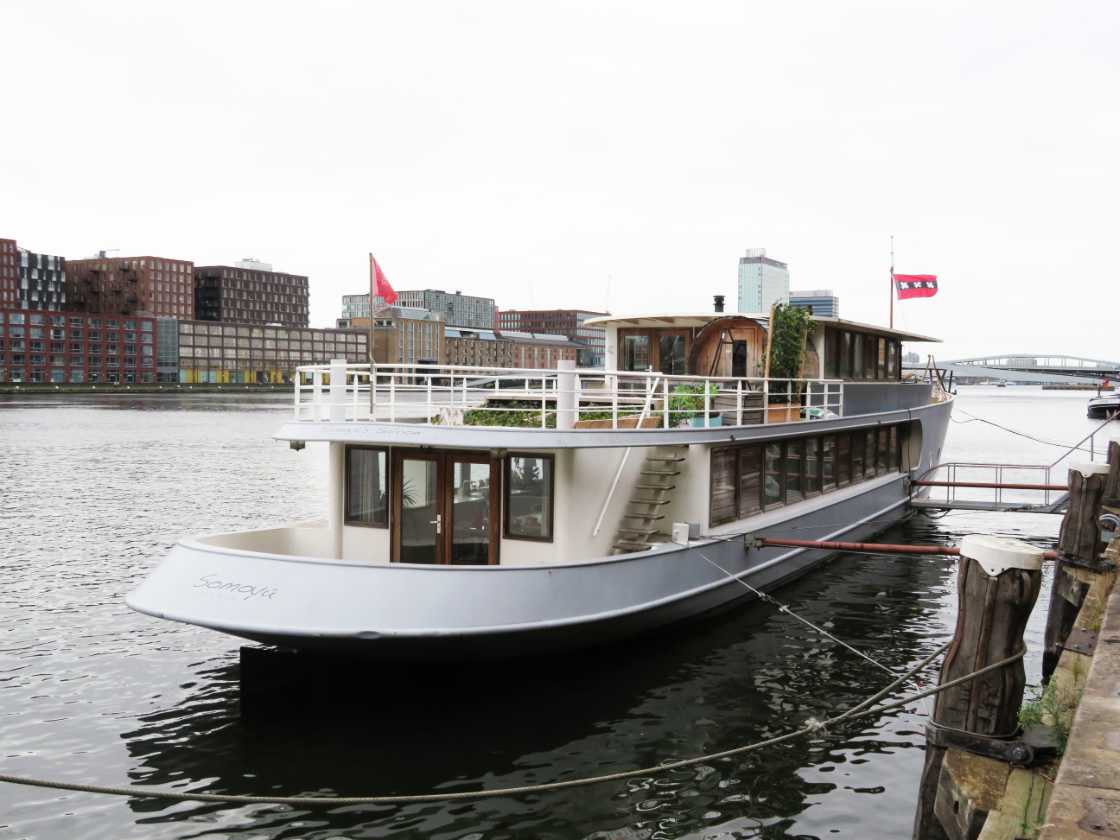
x=800, y=469
x=739, y=449
x=781, y=473
x=354, y=523
x=543, y=456
x=835, y=485
x=818, y=453
x=720, y=450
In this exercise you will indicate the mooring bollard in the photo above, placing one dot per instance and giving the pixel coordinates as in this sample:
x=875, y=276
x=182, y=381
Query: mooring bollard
x=1079, y=544
x=998, y=584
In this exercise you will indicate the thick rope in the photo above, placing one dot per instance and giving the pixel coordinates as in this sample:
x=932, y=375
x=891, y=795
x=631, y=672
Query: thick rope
x=762, y=596
x=855, y=713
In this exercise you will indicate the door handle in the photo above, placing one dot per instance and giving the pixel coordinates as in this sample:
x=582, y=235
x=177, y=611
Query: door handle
x=438, y=522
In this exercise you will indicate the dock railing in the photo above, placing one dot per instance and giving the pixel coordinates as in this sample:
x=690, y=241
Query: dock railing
x=583, y=398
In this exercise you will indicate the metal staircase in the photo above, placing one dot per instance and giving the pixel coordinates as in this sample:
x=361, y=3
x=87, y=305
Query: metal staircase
x=640, y=528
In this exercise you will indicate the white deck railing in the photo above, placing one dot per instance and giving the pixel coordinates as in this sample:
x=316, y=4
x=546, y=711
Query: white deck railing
x=581, y=398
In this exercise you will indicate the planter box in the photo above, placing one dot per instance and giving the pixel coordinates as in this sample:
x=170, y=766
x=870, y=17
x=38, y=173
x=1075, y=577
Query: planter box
x=713, y=421
x=776, y=412
x=623, y=423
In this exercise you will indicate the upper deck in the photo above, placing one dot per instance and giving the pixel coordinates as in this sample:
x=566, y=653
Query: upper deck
x=491, y=408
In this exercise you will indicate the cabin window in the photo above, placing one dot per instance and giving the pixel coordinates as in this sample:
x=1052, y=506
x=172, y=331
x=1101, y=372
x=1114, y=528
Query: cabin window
x=367, y=486
x=747, y=478
x=843, y=460
x=828, y=462
x=869, y=439
x=856, y=439
x=673, y=357
x=772, y=491
x=883, y=461
x=722, y=491
x=856, y=367
x=529, y=494
x=812, y=466
x=750, y=483
x=635, y=352
x=892, y=360
x=870, y=354
x=881, y=362
x=794, y=464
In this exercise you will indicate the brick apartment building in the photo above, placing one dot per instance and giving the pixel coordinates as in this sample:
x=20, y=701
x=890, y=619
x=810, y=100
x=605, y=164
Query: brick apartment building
x=9, y=273
x=156, y=286
x=566, y=322
x=251, y=293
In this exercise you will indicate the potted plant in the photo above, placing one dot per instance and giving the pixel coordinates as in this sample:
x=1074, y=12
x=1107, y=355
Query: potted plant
x=790, y=329
x=686, y=406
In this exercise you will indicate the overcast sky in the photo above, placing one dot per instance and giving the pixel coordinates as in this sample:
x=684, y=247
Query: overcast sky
x=591, y=155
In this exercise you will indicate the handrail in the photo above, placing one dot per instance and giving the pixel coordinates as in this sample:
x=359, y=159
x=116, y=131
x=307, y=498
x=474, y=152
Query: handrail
x=651, y=390
x=1092, y=444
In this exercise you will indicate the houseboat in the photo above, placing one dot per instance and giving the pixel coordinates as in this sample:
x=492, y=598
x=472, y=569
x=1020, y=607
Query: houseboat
x=495, y=512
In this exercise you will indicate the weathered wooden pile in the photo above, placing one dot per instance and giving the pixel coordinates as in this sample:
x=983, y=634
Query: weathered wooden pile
x=991, y=764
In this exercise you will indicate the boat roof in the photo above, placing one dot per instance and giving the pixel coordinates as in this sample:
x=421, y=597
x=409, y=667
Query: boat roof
x=703, y=319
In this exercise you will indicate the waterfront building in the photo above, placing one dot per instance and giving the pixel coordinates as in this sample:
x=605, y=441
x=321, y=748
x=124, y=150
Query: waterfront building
x=250, y=293
x=29, y=280
x=357, y=306
x=455, y=308
x=9, y=273
x=219, y=353
x=39, y=347
x=820, y=302
x=507, y=349
x=147, y=285
x=405, y=335
x=566, y=322
x=762, y=282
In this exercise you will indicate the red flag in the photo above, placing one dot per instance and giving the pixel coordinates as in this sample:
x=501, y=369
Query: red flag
x=379, y=285
x=915, y=285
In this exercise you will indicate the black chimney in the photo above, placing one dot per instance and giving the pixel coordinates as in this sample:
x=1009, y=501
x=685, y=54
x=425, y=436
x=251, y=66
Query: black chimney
x=719, y=303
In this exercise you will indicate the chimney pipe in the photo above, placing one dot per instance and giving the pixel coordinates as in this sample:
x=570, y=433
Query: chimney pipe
x=719, y=303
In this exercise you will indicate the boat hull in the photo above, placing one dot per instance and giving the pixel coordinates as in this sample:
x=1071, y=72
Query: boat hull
x=402, y=611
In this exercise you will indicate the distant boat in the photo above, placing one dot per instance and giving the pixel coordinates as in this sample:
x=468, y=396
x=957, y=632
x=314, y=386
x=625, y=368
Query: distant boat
x=1001, y=384
x=1103, y=407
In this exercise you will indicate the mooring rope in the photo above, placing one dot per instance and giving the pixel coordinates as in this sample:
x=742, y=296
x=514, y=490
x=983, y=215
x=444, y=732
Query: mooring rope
x=783, y=608
x=856, y=712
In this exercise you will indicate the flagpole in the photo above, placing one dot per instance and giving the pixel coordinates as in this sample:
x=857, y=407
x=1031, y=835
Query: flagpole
x=373, y=384
x=892, y=281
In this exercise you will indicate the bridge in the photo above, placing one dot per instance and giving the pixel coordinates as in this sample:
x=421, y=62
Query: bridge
x=1046, y=368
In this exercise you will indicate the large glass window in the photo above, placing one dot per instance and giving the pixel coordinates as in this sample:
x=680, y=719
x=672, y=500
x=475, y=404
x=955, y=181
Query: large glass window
x=843, y=460
x=869, y=446
x=529, y=492
x=367, y=486
x=892, y=360
x=635, y=352
x=883, y=456
x=881, y=361
x=857, y=356
x=672, y=355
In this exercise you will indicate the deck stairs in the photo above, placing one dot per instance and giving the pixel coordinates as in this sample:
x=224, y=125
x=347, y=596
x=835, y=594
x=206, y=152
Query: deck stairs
x=642, y=523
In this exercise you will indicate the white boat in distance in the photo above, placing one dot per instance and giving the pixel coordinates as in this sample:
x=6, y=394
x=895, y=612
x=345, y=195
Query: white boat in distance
x=503, y=511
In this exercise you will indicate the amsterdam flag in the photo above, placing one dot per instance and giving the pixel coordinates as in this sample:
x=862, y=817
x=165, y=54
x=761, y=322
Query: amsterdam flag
x=379, y=284
x=915, y=285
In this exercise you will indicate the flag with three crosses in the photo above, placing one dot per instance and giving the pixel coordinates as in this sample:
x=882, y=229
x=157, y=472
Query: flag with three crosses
x=915, y=285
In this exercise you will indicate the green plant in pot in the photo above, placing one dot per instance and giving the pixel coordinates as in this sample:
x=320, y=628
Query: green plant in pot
x=686, y=405
x=791, y=327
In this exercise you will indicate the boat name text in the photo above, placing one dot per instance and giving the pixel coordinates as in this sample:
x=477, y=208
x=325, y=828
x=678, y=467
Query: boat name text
x=214, y=582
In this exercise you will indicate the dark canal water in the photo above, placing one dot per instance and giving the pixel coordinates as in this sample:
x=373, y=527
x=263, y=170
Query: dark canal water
x=94, y=491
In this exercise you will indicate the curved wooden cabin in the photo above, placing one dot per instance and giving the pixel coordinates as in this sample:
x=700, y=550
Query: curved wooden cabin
x=689, y=345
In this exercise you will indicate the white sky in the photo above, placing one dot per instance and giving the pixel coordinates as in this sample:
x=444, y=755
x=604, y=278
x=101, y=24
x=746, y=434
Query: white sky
x=530, y=151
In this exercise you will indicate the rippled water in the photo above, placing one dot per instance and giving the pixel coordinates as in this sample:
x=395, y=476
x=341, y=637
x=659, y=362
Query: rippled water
x=93, y=491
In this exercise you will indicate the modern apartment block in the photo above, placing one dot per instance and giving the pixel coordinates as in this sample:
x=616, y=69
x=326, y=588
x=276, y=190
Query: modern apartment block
x=357, y=306
x=156, y=286
x=9, y=273
x=565, y=322
x=250, y=293
x=75, y=347
x=762, y=282
x=455, y=308
x=819, y=302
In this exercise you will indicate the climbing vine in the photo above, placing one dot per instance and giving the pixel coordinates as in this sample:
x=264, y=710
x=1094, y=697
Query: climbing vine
x=790, y=328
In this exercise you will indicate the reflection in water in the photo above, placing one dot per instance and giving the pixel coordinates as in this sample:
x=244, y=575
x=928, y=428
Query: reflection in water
x=90, y=498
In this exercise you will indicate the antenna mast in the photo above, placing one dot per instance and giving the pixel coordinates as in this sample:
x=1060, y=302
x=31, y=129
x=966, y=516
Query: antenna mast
x=892, y=281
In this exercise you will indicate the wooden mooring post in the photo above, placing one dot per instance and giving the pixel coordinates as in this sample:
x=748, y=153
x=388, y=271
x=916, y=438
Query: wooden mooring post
x=1079, y=545
x=998, y=584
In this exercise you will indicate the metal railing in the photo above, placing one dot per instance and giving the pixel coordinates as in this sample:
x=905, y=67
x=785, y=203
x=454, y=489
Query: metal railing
x=550, y=398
